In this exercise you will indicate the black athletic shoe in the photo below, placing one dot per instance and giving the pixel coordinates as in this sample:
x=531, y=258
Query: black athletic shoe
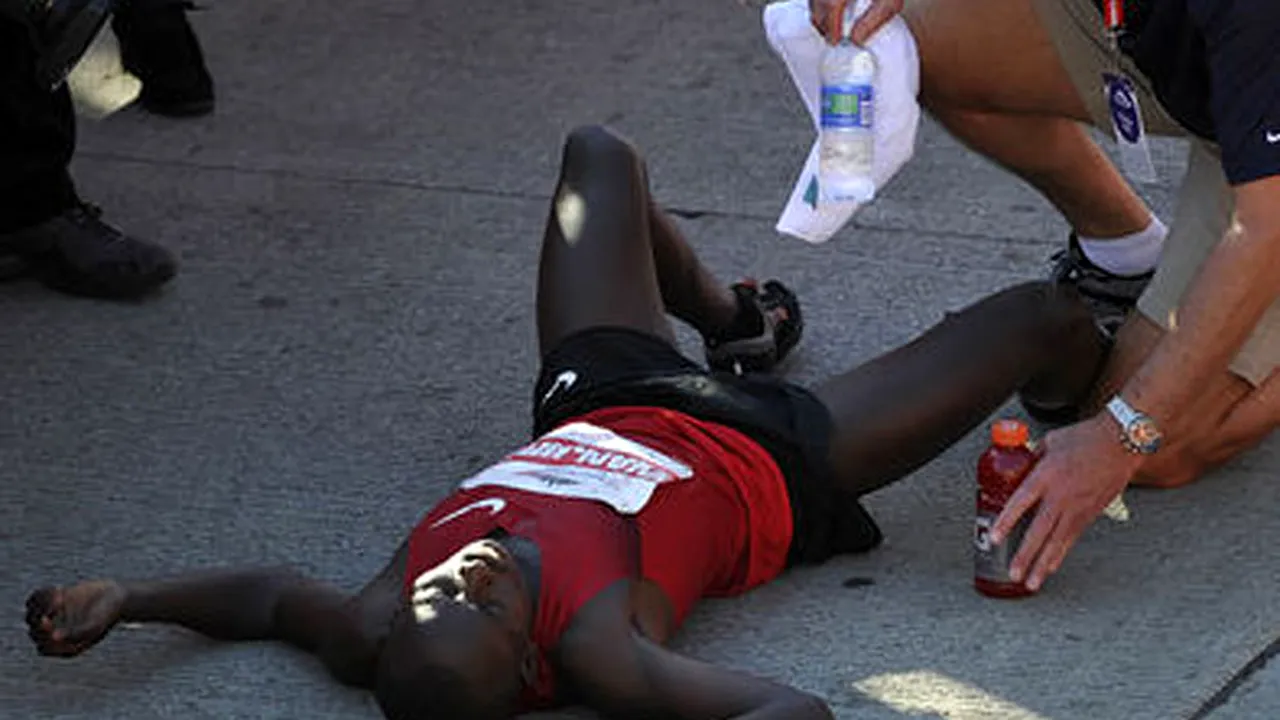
x=158, y=46
x=79, y=254
x=771, y=339
x=1110, y=296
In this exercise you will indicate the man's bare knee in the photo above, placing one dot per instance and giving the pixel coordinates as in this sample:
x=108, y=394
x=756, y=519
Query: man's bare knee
x=1055, y=311
x=960, y=41
x=1066, y=313
x=598, y=147
x=1229, y=418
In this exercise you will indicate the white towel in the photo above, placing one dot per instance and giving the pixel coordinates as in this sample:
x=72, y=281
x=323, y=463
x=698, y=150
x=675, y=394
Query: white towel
x=897, y=110
x=99, y=84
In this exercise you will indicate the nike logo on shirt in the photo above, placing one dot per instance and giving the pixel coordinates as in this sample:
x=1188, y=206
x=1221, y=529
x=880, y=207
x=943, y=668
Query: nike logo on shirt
x=494, y=505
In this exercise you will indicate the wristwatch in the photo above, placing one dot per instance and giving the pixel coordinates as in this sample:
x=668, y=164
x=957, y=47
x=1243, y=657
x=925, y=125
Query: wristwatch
x=1138, y=432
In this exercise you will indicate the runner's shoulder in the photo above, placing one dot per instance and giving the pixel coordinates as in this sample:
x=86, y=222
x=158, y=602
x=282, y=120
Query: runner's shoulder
x=591, y=653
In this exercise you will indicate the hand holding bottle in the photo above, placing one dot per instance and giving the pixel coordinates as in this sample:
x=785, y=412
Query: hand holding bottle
x=824, y=13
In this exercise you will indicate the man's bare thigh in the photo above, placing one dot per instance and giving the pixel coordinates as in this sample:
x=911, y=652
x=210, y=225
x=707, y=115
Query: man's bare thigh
x=990, y=56
x=1228, y=417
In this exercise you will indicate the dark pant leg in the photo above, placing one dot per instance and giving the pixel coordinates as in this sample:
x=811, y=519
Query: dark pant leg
x=37, y=135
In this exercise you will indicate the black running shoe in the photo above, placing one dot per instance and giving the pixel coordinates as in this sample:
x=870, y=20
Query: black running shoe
x=778, y=333
x=158, y=46
x=79, y=254
x=1110, y=296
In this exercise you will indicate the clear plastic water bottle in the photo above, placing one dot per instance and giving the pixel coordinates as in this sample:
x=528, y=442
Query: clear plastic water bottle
x=847, y=140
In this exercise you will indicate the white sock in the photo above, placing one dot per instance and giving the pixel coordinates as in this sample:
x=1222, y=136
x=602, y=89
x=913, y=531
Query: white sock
x=1129, y=254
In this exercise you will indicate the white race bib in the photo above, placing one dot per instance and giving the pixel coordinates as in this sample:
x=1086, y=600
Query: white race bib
x=586, y=462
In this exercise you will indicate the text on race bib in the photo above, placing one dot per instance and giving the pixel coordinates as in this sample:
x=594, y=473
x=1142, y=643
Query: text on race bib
x=583, y=461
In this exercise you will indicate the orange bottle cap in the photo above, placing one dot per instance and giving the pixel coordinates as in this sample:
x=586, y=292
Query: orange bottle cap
x=1009, y=433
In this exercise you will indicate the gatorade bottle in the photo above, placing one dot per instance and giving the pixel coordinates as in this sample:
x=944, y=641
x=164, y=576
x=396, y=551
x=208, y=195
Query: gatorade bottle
x=1001, y=469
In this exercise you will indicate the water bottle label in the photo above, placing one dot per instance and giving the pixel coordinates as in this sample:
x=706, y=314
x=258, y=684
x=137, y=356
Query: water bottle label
x=990, y=561
x=846, y=106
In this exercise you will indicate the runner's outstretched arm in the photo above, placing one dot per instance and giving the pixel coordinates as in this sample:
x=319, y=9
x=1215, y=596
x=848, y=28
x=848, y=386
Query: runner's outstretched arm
x=232, y=605
x=622, y=674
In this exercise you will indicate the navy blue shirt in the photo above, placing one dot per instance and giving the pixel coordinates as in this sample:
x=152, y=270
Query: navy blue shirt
x=1215, y=66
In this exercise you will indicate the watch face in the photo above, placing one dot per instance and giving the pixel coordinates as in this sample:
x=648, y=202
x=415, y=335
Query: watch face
x=1144, y=434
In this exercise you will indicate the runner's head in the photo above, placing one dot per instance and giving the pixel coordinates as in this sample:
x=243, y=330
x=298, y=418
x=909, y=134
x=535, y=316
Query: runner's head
x=459, y=648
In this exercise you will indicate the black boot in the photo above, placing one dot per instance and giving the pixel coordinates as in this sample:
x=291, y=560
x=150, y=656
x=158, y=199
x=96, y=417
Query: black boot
x=158, y=46
x=61, y=30
x=79, y=254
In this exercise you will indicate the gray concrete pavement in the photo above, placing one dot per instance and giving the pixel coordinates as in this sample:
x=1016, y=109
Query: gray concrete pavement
x=353, y=330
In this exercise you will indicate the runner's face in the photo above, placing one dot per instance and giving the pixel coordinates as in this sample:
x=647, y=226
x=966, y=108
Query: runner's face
x=445, y=656
x=481, y=578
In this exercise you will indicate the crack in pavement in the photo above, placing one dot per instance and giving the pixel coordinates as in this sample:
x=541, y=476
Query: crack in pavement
x=1227, y=691
x=681, y=212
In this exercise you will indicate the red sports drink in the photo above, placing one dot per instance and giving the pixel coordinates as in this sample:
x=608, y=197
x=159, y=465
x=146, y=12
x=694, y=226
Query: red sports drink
x=1001, y=469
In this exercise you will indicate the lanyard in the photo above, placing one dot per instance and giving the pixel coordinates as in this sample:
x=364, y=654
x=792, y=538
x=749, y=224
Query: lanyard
x=1114, y=15
x=1113, y=19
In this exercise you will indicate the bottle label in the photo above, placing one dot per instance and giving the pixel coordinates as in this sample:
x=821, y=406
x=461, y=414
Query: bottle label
x=847, y=106
x=990, y=561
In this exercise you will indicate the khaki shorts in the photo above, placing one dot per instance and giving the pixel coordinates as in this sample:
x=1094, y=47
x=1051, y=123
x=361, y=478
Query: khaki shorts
x=1205, y=202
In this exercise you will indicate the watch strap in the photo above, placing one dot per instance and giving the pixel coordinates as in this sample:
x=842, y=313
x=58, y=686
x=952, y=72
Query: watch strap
x=1123, y=413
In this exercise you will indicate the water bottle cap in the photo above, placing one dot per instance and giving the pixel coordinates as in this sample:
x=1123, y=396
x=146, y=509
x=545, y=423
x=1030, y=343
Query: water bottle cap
x=1009, y=433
